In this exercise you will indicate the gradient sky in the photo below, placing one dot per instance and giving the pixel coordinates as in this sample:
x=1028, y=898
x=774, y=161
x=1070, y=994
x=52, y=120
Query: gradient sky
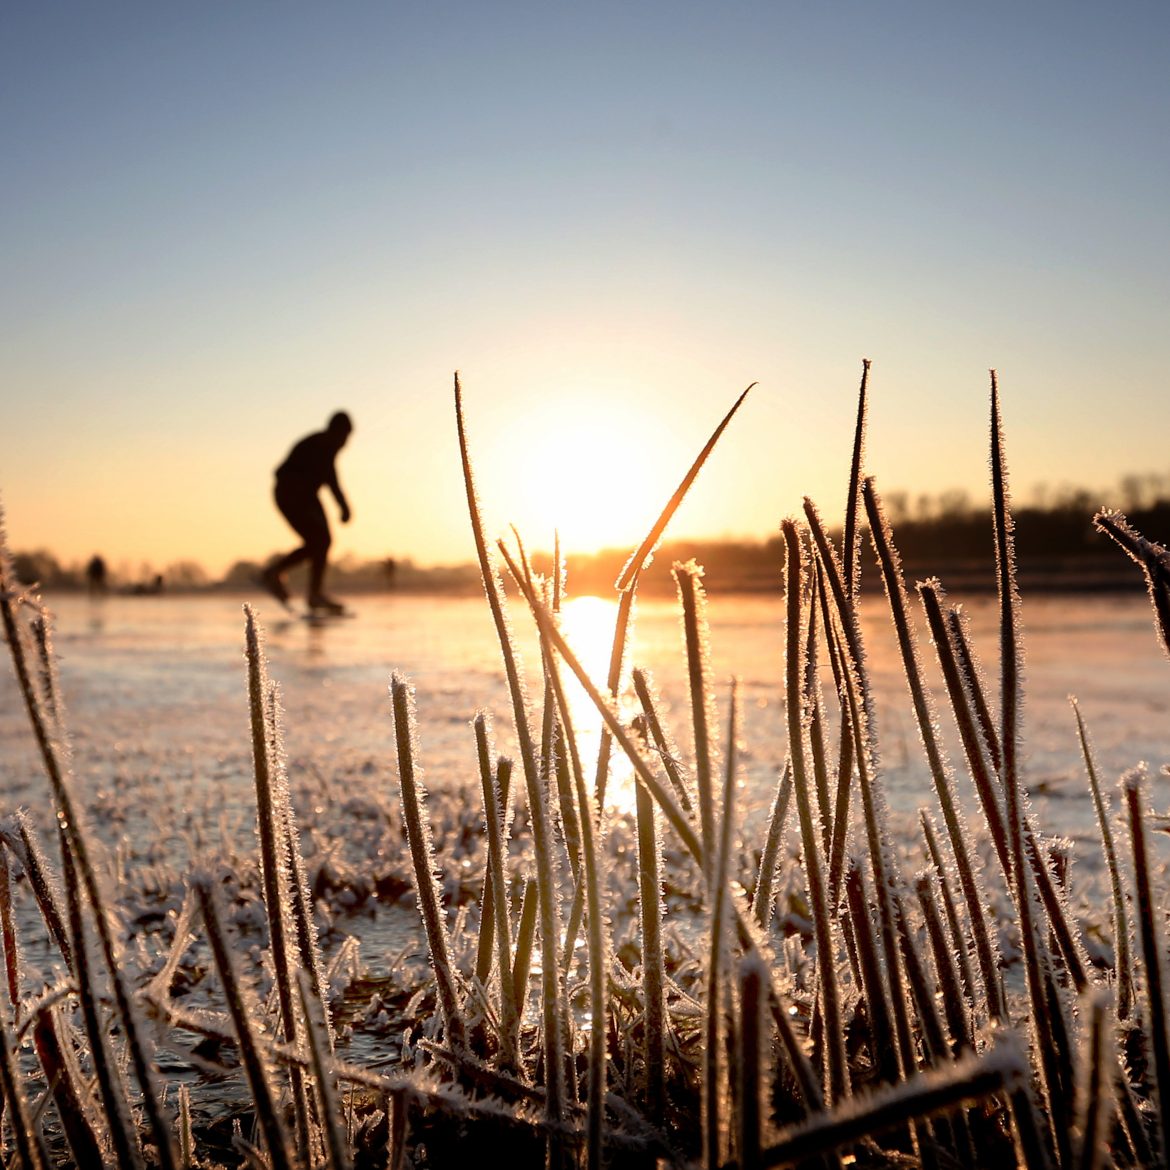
x=220, y=222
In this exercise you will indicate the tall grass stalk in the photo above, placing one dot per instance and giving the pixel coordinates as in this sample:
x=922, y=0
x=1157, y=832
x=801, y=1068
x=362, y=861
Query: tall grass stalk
x=495, y=898
x=836, y=1062
x=29, y=1142
x=661, y=742
x=831, y=585
x=1047, y=1020
x=714, y=1057
x=422, y=856
x=271, y=829
x=120, y=1127
x=597, y=941
x=692, y=599
x=966, y=1082
x=1153, y=560
x=872, y=983
x=1098, y=1069
x=752, y=1037
x=764, y=897
x=969, y=883
x=959, y=938
x=320, y=1045
x=1124, y=957
x=873, y=808
x=554, y=1011
x=267, y=1112
x=1149, y=918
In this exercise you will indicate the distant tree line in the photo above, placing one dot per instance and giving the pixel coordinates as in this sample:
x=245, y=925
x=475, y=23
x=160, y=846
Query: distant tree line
x=945, y=535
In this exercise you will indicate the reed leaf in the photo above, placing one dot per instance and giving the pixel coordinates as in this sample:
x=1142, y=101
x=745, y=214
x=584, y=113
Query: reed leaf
x=1049, y=1025
x=422, y=856
x=836, y=1062
x=1124, y=961
x=554, y=1012
x=267, y=1112
x=1149, y=918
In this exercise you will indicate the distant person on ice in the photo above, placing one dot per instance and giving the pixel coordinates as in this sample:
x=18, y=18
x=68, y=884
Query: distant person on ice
x=308, y=468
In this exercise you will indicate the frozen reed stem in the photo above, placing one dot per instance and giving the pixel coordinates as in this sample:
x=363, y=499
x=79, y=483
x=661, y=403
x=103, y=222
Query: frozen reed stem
x=959, y=940
x=589, y=824
x=71, y=1094
x=752, y=982
x=1124, y=963
x=665, y=749
x=692, y=598
x=714, y=1074
x=764, y=898
x=525, y=939
x=494, y=913
x=959, y=691
x=1153, y=559
x=650, y=911
x=267, y=1112
x=836, y=1061
x=974, y=686
x=966, y=1082
x=320, y=1045
x=1150, y=918
x=627, y=585
x=884, y=869
x=12, y=958
x=501, y=782
x=21, y=838
x=851, y=537
x=552, y=999
x=873, y=985
x=969, y=884
x=1095, y=1098
x=1052, y=1041
x=271, y=828
x=422, y=857
x=954, y=1001
x=116, y=1111
x=27, y=1136
x=831, y=584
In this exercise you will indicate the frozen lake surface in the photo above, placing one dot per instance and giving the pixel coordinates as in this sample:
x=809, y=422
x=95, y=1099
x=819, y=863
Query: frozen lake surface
x=155, y=694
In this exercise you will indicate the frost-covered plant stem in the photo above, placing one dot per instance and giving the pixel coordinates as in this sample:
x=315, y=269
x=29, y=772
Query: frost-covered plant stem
x=1124, y=961
x=273, y=858
x=267, y=1114
x=714, y=1072
x=598, y=948
x=1149, y=918
x=552, y=998
x=1047, y=1018
x=495, y=898
x=924, y=713
x=422, y=857
x=692, y=598
x=836, y=1061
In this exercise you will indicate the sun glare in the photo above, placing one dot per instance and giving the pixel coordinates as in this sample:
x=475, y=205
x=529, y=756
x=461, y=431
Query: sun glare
x=594, y=481
x=588, y=626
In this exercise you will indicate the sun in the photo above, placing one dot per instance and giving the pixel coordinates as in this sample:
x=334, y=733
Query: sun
x=594, y=476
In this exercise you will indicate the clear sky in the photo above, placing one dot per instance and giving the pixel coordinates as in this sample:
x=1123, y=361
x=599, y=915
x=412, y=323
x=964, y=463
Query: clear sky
x=220, y=222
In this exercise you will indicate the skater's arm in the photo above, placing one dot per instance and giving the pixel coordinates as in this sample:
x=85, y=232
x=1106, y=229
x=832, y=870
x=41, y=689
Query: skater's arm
x=335, y=487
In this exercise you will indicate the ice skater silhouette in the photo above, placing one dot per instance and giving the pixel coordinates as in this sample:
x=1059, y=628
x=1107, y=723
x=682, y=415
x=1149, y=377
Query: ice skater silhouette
x=308, y=468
